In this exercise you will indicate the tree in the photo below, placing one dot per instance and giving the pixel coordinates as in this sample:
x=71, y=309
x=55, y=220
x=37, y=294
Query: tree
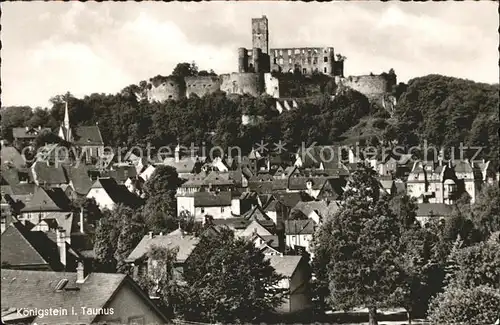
x=160, y=281
x=486, y=211
x=160, y=210
x=362, y=238
x=185, y=70
x=229, y=280
x=473, y=292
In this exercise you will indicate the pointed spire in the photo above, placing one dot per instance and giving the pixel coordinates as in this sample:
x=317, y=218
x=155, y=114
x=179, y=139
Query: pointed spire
x=66, y=121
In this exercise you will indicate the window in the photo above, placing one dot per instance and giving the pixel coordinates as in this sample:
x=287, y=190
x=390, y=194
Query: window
x=315, y=61
x=325, y=59
x=202, y=210
x=324, y=70
x=289, y=60
x=297, y=51
x=274, y=60
x=275, y=52
x=304, y=70
x=308, y=60
x=222, y=209
x=289, y=52
x=281, y=60
x=281, y=52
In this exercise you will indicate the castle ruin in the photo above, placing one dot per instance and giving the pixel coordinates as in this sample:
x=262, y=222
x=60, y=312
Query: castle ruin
x=259, y=69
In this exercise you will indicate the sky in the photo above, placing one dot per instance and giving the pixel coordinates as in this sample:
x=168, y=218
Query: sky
x=49, y=48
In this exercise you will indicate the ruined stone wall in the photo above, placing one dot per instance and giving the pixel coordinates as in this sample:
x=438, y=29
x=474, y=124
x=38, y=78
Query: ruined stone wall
x=202, y=85
x=370, y=85
x=161, y=89
x=306, y=59
x=242, y=83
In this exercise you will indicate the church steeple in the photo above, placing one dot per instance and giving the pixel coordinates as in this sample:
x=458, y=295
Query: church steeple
x=65, y=127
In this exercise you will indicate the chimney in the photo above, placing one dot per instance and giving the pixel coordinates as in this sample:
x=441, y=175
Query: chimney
x=80, y=273
x=150, y=234
x=81, y=221
x=61, y=244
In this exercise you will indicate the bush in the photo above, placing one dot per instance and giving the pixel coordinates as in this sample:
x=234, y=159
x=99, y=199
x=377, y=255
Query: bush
x=480, y=305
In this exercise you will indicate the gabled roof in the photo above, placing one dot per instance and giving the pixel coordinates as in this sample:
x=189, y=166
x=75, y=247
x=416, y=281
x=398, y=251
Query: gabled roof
x=185, y=244
x=322, y=208
x=122, y=173
x=23, y=248
x=37, y=290
x=257, y=214
x=183, y=165
x=212, y=199
x=291, y=199
x=232, y=223
x=80, y=179
x=87, y=136
x=118, y=193
x=48, y=175
x=27, y=132
x=12, y=156
x=284, y=265
x=299, y=227
x=47, y=199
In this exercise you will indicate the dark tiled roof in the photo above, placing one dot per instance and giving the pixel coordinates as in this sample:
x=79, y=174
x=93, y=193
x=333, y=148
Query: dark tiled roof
x=47, y=174
x=118, y=193
x=185, y=244
x=48, y=199
x=80, y=179
x=285, y=265
x=122, y=173
x=87, y=136
x=37, y=290
x=23, y=248
x=212, y=199
x=184, y=165
x=236, y=223
x=299, y=227
x=291, y=199
x=27, y=132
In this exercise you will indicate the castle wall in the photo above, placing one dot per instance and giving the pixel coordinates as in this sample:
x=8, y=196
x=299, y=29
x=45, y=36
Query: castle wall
x=242, y=83
x=202, y=85
x=272, y=85
x=165, y=88
x=370, y=85
x=306, y=59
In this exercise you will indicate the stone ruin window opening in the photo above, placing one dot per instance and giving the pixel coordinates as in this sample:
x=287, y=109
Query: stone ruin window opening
x=324, y=70
x=325, y=59
x=304, y=70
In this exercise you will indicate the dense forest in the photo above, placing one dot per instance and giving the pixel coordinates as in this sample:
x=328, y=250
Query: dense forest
x=443, y=111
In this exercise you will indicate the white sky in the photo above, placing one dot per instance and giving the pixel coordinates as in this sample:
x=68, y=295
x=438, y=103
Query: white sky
x=53, y=47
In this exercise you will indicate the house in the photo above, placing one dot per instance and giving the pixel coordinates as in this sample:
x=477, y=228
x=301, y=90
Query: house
x=185, y=244
x=26, y=135
x=206, y=182
x=108, y=193
x=80, y=179
x=75, y=298
x=296, y=281
x=219, y=205
x=427, y=212
x=299, y=233
x=87, y=138
x=13, y=176
x=23, y=249
x=388, y=184
x=432, y=182
x=45, y=203
x=135, y=185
